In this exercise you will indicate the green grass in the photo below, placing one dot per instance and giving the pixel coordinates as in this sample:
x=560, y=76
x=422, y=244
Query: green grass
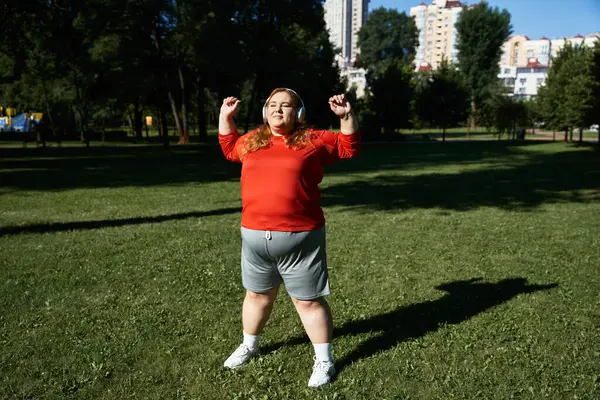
x=465, y=270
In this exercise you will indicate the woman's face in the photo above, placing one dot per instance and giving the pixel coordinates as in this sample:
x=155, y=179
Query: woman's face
x=281, y=113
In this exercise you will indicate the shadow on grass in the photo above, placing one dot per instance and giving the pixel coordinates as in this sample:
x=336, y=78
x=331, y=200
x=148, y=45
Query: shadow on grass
x=502, y=174
x=521, y=183
x=463, y=300
x=85, y=225
x=70, y=168
x=73, y=167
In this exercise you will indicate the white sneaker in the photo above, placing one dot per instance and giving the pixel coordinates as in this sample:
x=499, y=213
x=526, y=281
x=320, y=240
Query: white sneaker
x=323, y=372
x=240, y=356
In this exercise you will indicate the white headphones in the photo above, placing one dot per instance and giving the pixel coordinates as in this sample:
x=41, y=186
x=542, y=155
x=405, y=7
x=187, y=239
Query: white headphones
x=300, y=113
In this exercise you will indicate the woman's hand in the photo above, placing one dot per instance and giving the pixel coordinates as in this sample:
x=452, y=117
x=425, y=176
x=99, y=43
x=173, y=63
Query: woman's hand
x=340, y=105
x=228, y=110
x=229, y=107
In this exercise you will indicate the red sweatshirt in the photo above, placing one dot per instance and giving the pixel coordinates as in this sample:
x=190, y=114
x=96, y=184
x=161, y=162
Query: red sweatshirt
x=279, y=186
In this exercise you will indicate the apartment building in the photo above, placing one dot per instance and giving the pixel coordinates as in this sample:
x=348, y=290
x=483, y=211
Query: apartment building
x=524, y=62
x=437, y=32
x=343, y=19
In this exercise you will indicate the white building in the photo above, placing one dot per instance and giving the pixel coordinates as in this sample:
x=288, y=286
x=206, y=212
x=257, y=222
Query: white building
x=524, y=62
x=529, y=78
x=356, y=79
x=343, y=19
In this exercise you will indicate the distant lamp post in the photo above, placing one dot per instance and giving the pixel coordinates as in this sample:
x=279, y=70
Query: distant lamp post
x=148, y=123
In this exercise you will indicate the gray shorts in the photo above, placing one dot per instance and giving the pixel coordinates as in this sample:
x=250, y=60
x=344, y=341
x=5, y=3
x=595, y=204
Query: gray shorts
x=296, y=258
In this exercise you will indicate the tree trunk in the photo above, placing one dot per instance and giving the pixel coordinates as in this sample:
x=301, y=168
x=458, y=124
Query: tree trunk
x=137, y=119
x=48, y=108
x=163, y=127
x=81, y=109
x=130, y=122
x=81, y=117
x=201, y=113
x=472, y=119
x=571, y=134
x=580, y=135
x=175, y=115
x=184, y=134
x=251, y=104
x=166, y=85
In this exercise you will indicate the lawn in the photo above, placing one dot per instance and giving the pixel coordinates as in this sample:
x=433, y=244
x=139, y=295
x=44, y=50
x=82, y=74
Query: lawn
x=464, y=270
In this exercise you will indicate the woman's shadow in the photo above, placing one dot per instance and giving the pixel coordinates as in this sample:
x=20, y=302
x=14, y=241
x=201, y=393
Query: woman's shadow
x=463, y=300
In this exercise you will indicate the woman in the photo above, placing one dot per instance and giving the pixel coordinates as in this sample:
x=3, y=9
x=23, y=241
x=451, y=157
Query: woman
x=283, y=227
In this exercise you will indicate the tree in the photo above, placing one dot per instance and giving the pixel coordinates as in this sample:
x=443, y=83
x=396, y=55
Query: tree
x=387, y=37
x=215, y=66
x=481, y=31
x=567, y=100
x=595, y=74
x=91, y=61
x=392, y=90
x=503, y=113
x=387, y=44
x=444, y=100
x=34, y=76
x=292, y=31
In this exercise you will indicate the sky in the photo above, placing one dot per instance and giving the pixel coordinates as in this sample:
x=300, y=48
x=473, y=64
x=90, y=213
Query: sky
x=535, y=18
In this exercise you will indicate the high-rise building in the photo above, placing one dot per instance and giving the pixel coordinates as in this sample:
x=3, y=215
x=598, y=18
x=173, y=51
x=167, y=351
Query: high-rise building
x=344, y=18
x=437, y=32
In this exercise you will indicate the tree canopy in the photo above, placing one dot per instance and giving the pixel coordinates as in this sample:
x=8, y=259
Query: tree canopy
x=481, y=31
x=570, y=97
x=387, y=46
x=85, y=63
x=442, y=100
x=387, y=37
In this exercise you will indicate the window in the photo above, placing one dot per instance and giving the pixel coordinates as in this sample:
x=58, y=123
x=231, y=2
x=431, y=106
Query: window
x=523, y=81
x=522, y=90
x=529, y=53
x=507, y=70
x=540, y=81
